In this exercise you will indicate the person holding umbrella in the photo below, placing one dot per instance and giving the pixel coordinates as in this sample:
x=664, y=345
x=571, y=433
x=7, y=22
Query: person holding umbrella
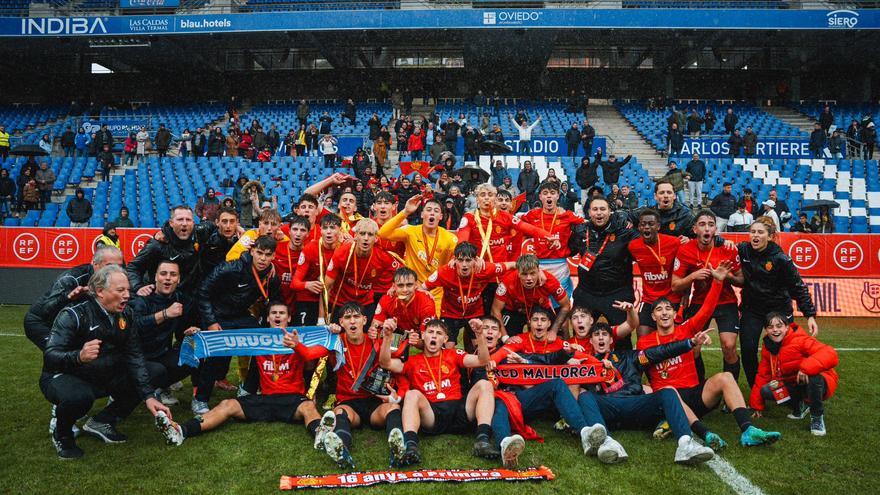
x=822, y=222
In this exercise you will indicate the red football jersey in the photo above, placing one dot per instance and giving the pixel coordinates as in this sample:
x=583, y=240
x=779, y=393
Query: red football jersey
x=281, y=374
x=691, y=258
x=359, y=278
x=656, y=273
x=521, y=300
x=501, y=228
x=527, y=345
x=308, y=269
x=410, y=315
x=356, y=358
x=435, y=375
x=680, y=371
x=462, y=297
x=285, y=266
x=559, y=225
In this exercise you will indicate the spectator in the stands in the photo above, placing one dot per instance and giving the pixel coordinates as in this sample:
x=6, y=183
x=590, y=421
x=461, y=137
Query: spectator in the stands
x=186, y=144
x=123, y=221
x=676, y=140
x=586, y=176
x=817, y=141
x=611, y=167
x=232, y=142
x=868, y=137
x=302, y=112
x=695, y=172
x=328, y=150
x=7, y=193
x=525, y=134
x=324, y=123
x=567, y=197
x=730, y=121
x=572, y=141
x=499, y=173
x=396, y=104
x=350, y=112
x=200, y=142
x=528, y=181
x=129, y=148
x=822, y=222
x=802, y=225
x=479, y=102
x=551, y=176
x=208, y=207
x=751, y=203
x=837, y=145
x=216, y=143
x=674, y=176
x=102, y=137
x=375, y=125
x=109, y=236
x=588, y=134
x=46, y=144
x=853, y=136
x=740, y=220
x=694, y=123
x=142, y=138
x=450, y=132
x=709, y=120
x=81, y=143
x=768, y=211
x=273, y=139
x=45, y=182
x=826, y=119
x=783, y=213
x=507, y=185
x=107, y=161
x=68, y=141
x=79, y=209
x=495, y=134
x=403, y=145
x=735, y=143
x=30, y=196
x=438, y=149
x=416, y=145
x=24, y=176
x=4, y=143
x=93, y=145
x=313, y=140
x=261, y=141
x=245, y=144
x=626, y=199
x=430, y=132
x=162, y=140
x=360, y=163
x=750, y=143
x=380, y=153
x=723, y=206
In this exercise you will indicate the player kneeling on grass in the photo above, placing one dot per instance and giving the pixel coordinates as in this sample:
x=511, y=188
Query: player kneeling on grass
x=680, y=372
x=623, y=402
x=283, y=398
x=433, y=402
x=361, y=389
x=537, y=347
x=795, y=368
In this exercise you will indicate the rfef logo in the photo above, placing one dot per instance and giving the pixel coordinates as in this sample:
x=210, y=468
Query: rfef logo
x=848, y=255
x=26, y=246
x=139, y=242
x=65, y=247
x=804, y=254
x=842, y=19
x=64, y=25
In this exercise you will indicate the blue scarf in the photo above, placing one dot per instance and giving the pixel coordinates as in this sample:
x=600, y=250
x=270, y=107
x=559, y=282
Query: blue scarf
x=254, y=342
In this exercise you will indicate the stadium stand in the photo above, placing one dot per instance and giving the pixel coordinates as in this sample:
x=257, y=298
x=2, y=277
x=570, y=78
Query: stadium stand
x=651, y=124
x=283, y=115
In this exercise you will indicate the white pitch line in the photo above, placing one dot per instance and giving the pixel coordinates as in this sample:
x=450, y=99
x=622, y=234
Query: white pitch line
x=729, y=475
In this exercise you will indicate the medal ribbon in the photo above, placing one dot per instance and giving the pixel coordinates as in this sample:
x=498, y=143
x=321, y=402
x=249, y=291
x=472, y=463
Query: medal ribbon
x=485, y=235
x=439, y=370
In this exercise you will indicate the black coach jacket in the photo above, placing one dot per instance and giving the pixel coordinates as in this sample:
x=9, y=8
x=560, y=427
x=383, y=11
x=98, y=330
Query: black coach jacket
x=142, y=269
x=772, y=281
x=47, y=307
x=613, y=267
x=229, y=290
x=631, y=364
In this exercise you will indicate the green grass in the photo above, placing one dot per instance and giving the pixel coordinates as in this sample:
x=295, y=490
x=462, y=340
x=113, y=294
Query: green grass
x=250, y=458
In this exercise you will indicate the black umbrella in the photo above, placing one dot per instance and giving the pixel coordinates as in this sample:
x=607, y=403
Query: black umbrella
x=490, y=147
x=28, y=150
x=469, y=169
x=815, y=205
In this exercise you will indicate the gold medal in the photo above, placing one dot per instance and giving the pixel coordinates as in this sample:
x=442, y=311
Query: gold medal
x=441, y=396
x=274, y=377
x=663, y=260
x=664, y=375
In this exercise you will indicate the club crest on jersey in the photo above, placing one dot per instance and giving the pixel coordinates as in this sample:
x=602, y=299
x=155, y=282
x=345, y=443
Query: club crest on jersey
x=671, y=225
x=612, y=237
x=497, y=229
x=373, y=272
x=768, y=266
x=122, y=323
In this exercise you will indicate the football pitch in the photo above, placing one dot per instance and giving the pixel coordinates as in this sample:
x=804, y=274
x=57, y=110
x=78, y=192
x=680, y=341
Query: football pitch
x=250, y=458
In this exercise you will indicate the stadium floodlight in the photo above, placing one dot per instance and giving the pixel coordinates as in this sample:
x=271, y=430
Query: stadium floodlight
x=121, y=42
